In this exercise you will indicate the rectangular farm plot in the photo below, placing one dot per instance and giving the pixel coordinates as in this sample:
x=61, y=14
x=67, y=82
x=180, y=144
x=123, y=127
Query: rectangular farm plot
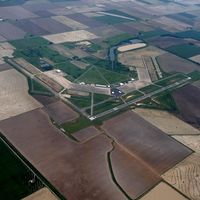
x=14, y=97
x=132, y=175
x=77, y=165
x=72, y=36
x=159, y=151
x=167, y=122
x=31, y=28
x=60, y=112
x=50, y=25
x=86, y=134
x=70, y=22
x=163, y=191
x=15, y=12
x=10, y=31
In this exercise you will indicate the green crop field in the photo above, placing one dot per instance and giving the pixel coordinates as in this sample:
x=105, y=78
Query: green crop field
x=154, y=33
x=117, y=39
x=189, y=34
x=14, y=179
x=184, y=50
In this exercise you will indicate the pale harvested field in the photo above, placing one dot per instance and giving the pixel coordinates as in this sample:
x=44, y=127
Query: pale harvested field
x=133, y=58
x=196, y=59
x=163, y=192
x=6, y=50
x=27, y=66
x=42, y=194
x=70, y=22
x=130, y=47
x=14, y=97
x=71, y=36
x=192, y=141
x=86, y=134
x=166, y=122
x=185, y=176
x=58, y=77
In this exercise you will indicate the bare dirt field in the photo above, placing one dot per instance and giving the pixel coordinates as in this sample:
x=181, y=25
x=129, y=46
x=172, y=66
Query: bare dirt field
x=4, y=67
x=60, y=112
x=15, y=12
x=77, y=165
x=159, y=151
x=6, y=50
x=185, y=176
x=86, y=134
x=42, y=194
x=86, y=20
x=72, y=36
x=50, y=25
x=10, y=31
x=135, y=182
x=171, y=25
x=45, y=100
x=14, y=97
x=187, y=100
x=31, y=28
x=196, y=59
x=74, y=25
x=165, y=42
x=50, y=82
x=166, y=122
x=131, y=47
x=27, y=66
x=163, y=191
x=133, y=58
x=169, y=63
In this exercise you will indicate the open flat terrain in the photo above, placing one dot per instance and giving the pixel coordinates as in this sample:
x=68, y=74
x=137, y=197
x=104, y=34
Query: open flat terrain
x=14, y=97
x=164, y=192
x=170, y=62
x=60, y=112
x=187, y=100
x=167, y=122
x=42, y=194
x=145, y=141
x=50, y=146
x=185, y=176
x=86, y=134
x=72, y=36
